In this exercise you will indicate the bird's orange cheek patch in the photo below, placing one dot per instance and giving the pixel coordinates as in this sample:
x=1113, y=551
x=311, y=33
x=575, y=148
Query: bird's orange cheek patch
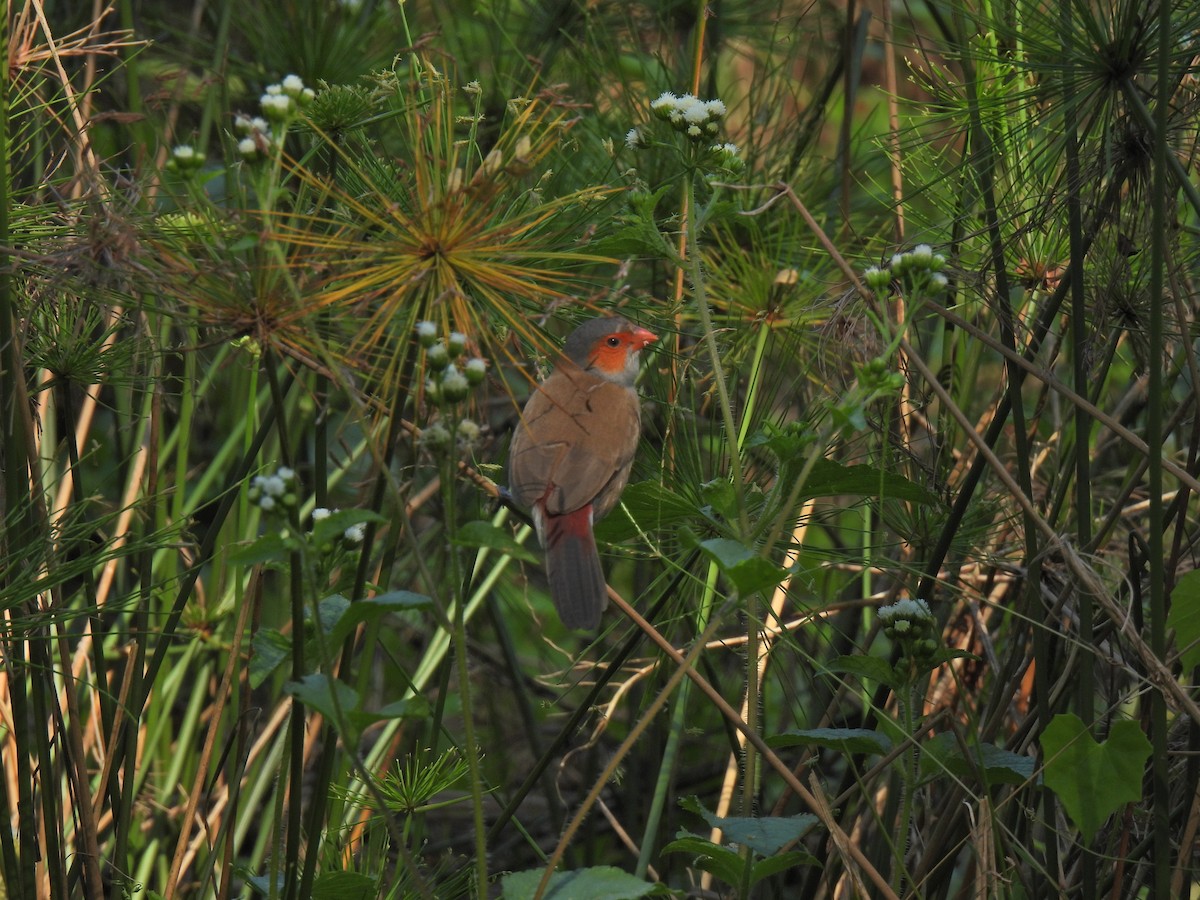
x=610, y=359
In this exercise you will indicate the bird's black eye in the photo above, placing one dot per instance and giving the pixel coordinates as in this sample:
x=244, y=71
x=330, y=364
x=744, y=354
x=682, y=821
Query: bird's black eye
x=613, y=341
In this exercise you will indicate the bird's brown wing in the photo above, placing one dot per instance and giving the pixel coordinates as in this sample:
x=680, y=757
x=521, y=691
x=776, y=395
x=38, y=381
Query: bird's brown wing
x=574, y=444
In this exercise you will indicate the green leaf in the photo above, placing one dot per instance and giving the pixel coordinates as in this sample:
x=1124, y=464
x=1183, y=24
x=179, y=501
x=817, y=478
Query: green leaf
x=781, y=862
x=318, y=692
x=828, y=479
x=848, y=740
x=646, y=506
x=1184, y=618
x=746, y=570
x=948, y=654
x=595, y=883
x=637, y=239
x=328, y=696
x=343, y=886
x=721, y=495
x=270, y=547
x=765, y=835
x=492, y=537
x=271, y=648
x=942, y=753
x=723, y=862
x=354, y=614
x=1093, y=779
x=874, y=668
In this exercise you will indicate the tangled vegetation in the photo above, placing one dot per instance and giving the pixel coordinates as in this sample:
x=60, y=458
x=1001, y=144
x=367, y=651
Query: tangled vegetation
x=904, y=600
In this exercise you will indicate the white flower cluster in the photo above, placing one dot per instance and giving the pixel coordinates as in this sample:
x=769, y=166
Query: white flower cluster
x=452, y=383
x=185, y=158
x=353, y=535
x=919, y=266
x=698, y=119
x=281, y=101
x=728, y=155
x=911, y=625
x=907, y=610
x=256, y=136
x=272, y=491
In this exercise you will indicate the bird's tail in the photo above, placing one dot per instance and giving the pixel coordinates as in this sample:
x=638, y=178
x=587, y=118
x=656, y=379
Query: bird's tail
x=577, y=584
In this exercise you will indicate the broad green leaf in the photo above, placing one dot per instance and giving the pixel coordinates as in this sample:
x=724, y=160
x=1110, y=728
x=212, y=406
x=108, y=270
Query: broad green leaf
x=746, y=570
x=1093, y=780
x=595, y=883
x=781, y=862
x=369, y=609
x=723, y=862
x=721, y=496
x=942, y=753
x=270, y=547
x=765, y=835
x=1184, y=618
x=874, y=668
x=828, y=479
x=318, y=692
x=948, y=654
x=270, y=649
x=329, y=696
x=848, y=740
x=492, y=537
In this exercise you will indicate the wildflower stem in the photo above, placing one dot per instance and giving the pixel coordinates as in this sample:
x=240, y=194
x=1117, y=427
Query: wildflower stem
x=459, y=594
x=696, y=275
x=907, y=700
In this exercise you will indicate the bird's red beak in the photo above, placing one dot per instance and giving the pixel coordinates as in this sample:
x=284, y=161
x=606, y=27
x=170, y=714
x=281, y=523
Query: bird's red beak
x=642, y=337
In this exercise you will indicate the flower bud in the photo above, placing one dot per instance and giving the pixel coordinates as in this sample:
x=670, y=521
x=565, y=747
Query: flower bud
x=438, y=356
x=426, y=334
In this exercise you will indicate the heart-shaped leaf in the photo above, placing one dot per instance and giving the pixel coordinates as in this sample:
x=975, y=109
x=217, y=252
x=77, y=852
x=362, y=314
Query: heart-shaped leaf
x=1093, y=779
x=1184, y=618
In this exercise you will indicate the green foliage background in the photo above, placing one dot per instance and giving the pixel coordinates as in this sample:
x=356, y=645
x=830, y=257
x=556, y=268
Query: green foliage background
x=926, y=331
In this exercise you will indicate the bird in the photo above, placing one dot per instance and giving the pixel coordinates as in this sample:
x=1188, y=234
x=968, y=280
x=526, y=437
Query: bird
x=571, y=454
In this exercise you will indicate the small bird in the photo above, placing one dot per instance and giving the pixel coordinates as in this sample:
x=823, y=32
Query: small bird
x=571, y=455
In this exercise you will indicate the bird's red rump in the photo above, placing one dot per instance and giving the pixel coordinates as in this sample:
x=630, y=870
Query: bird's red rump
x=574, y=524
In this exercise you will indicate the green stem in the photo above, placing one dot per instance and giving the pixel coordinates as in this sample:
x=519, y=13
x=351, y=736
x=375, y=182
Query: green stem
x=18, y=532
x=1164, y=854
x=695, y=271
x=461, y=662
x=296, y=594
x=753, y=614
x=908, y=781
x=671, y=751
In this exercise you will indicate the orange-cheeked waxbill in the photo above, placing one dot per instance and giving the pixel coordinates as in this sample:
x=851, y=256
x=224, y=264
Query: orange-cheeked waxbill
x=571, y=455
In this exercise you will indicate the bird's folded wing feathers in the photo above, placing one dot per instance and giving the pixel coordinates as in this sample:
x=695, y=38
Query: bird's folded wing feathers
x=587, y=432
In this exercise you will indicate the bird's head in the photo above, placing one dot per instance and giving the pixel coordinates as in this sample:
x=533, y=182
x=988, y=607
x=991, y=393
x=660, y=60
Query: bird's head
x=608, y=347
